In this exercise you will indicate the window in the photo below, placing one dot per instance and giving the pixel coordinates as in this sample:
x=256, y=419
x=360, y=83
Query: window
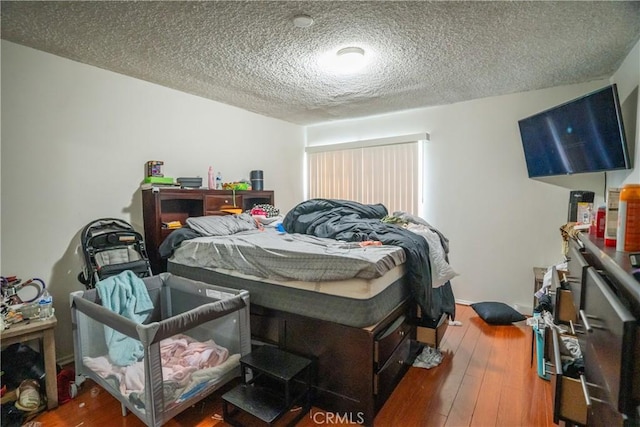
x=387, y=171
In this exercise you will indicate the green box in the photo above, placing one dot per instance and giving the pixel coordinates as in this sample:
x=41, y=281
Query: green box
x=158, y=180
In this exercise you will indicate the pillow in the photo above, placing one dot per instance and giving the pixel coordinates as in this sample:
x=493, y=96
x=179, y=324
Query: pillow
x=497, y=313
x=225, y=225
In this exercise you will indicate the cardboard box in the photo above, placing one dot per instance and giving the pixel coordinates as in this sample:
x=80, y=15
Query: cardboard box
x=162, y=180
x=585, y=213
x=611, y=216
x=154, y=168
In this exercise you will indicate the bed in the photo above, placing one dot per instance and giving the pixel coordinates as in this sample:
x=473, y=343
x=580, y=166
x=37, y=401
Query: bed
x=188, y=346
x=320, y=278
x=334, y=283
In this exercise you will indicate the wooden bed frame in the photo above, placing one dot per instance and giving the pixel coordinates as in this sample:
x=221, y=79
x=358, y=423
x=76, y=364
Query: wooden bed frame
x=357, y=368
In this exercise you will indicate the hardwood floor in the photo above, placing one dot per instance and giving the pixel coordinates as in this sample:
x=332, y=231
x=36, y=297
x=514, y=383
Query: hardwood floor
x=485, y=379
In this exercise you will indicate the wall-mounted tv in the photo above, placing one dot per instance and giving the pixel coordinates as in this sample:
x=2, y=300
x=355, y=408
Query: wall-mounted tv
x=582, y=135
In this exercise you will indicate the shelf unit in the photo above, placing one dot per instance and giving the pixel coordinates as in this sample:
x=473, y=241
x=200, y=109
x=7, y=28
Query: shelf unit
x=164, y=205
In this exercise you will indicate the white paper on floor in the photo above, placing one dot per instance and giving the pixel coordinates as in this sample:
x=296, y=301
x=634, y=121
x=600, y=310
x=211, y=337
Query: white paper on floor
x=429, y=358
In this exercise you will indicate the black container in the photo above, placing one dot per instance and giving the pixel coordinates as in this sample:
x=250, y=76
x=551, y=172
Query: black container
x=257, y=181
x=195, y=182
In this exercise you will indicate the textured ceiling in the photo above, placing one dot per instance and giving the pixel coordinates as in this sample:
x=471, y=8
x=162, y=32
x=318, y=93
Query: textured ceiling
x=250, y=55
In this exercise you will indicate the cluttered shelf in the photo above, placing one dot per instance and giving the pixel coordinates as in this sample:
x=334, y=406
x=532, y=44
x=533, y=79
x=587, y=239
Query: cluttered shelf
x=41, y=330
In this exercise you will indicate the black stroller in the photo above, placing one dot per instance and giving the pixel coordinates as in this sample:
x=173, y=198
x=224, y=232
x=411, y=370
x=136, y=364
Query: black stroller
x=111, y=246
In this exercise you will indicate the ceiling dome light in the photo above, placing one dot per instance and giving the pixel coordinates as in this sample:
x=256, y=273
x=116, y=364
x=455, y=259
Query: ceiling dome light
x=348, y=51
x=302, y=21
x=351, y=59
x=346, y=60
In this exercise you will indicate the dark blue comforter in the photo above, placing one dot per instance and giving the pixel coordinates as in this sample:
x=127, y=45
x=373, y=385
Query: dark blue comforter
x=356, y=222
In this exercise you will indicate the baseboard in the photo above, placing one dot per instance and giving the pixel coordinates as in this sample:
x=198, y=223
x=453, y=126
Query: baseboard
x=65, y=360
x=524, y=309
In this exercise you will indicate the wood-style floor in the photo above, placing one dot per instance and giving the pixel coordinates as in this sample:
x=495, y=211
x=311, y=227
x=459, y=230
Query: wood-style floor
x=485, y=379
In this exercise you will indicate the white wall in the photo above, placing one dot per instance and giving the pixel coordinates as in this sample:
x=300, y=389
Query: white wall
x=627, y=78
x=500, y=223
x=75, y=139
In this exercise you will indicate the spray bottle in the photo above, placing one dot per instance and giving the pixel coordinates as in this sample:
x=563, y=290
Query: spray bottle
x=210, y=181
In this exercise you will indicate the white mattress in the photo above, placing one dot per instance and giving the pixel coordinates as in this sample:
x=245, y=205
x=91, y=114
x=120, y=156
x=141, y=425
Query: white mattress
x=352, y=302
x=354, y=288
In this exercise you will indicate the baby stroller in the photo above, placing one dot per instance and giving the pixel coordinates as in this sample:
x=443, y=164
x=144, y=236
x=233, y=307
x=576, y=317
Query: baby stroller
x=111, y=246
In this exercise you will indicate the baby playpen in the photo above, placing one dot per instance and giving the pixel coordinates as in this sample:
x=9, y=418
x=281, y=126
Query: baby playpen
x=189, y=345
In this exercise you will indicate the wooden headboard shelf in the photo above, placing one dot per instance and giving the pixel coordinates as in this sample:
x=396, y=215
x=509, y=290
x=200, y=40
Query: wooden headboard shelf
x=164, y=205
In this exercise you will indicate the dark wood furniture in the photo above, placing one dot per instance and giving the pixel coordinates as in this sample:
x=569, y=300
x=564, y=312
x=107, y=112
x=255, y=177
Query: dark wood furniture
x=602, y=308
x=273, y=381
x=357, y=368
x=164, y=205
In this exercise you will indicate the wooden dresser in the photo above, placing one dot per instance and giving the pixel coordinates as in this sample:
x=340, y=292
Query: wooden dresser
x=602, y=308
x=163, y=205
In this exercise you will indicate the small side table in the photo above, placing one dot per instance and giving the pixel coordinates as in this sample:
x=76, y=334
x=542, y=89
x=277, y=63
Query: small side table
x=289, y=381
x=40, y=330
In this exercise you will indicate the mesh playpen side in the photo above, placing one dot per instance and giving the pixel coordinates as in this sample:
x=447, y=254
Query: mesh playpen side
x=191, y=345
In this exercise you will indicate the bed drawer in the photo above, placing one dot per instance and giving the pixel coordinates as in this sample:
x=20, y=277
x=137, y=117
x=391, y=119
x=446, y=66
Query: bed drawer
x=387, y=341
x=569, y=403
x=266, y=328
x=433, y=336
x=386, y=379
x=213, y=203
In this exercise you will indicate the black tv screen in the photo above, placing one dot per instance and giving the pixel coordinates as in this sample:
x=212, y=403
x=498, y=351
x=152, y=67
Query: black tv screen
x=583, y=135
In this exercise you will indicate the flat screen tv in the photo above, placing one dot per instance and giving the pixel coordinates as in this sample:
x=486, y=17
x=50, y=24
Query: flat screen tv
x=582, y=135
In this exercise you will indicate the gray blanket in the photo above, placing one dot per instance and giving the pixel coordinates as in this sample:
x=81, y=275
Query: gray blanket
x=272, y=255
x=353, y=221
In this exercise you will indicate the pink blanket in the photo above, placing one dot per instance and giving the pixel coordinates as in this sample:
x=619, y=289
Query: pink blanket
x=181, y=356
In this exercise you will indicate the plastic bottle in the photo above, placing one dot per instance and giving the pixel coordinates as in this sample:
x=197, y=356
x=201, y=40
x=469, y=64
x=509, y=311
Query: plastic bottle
x=219, y=181
x=601, y=221
x=210, y=181
x=46, y=305
x=596, y=217
x=628, y=233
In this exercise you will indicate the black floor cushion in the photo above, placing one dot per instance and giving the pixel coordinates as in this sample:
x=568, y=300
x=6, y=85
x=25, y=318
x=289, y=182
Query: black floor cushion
x=497, y=313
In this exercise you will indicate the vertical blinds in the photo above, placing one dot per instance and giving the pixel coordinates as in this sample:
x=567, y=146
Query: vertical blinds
x=387, y=174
